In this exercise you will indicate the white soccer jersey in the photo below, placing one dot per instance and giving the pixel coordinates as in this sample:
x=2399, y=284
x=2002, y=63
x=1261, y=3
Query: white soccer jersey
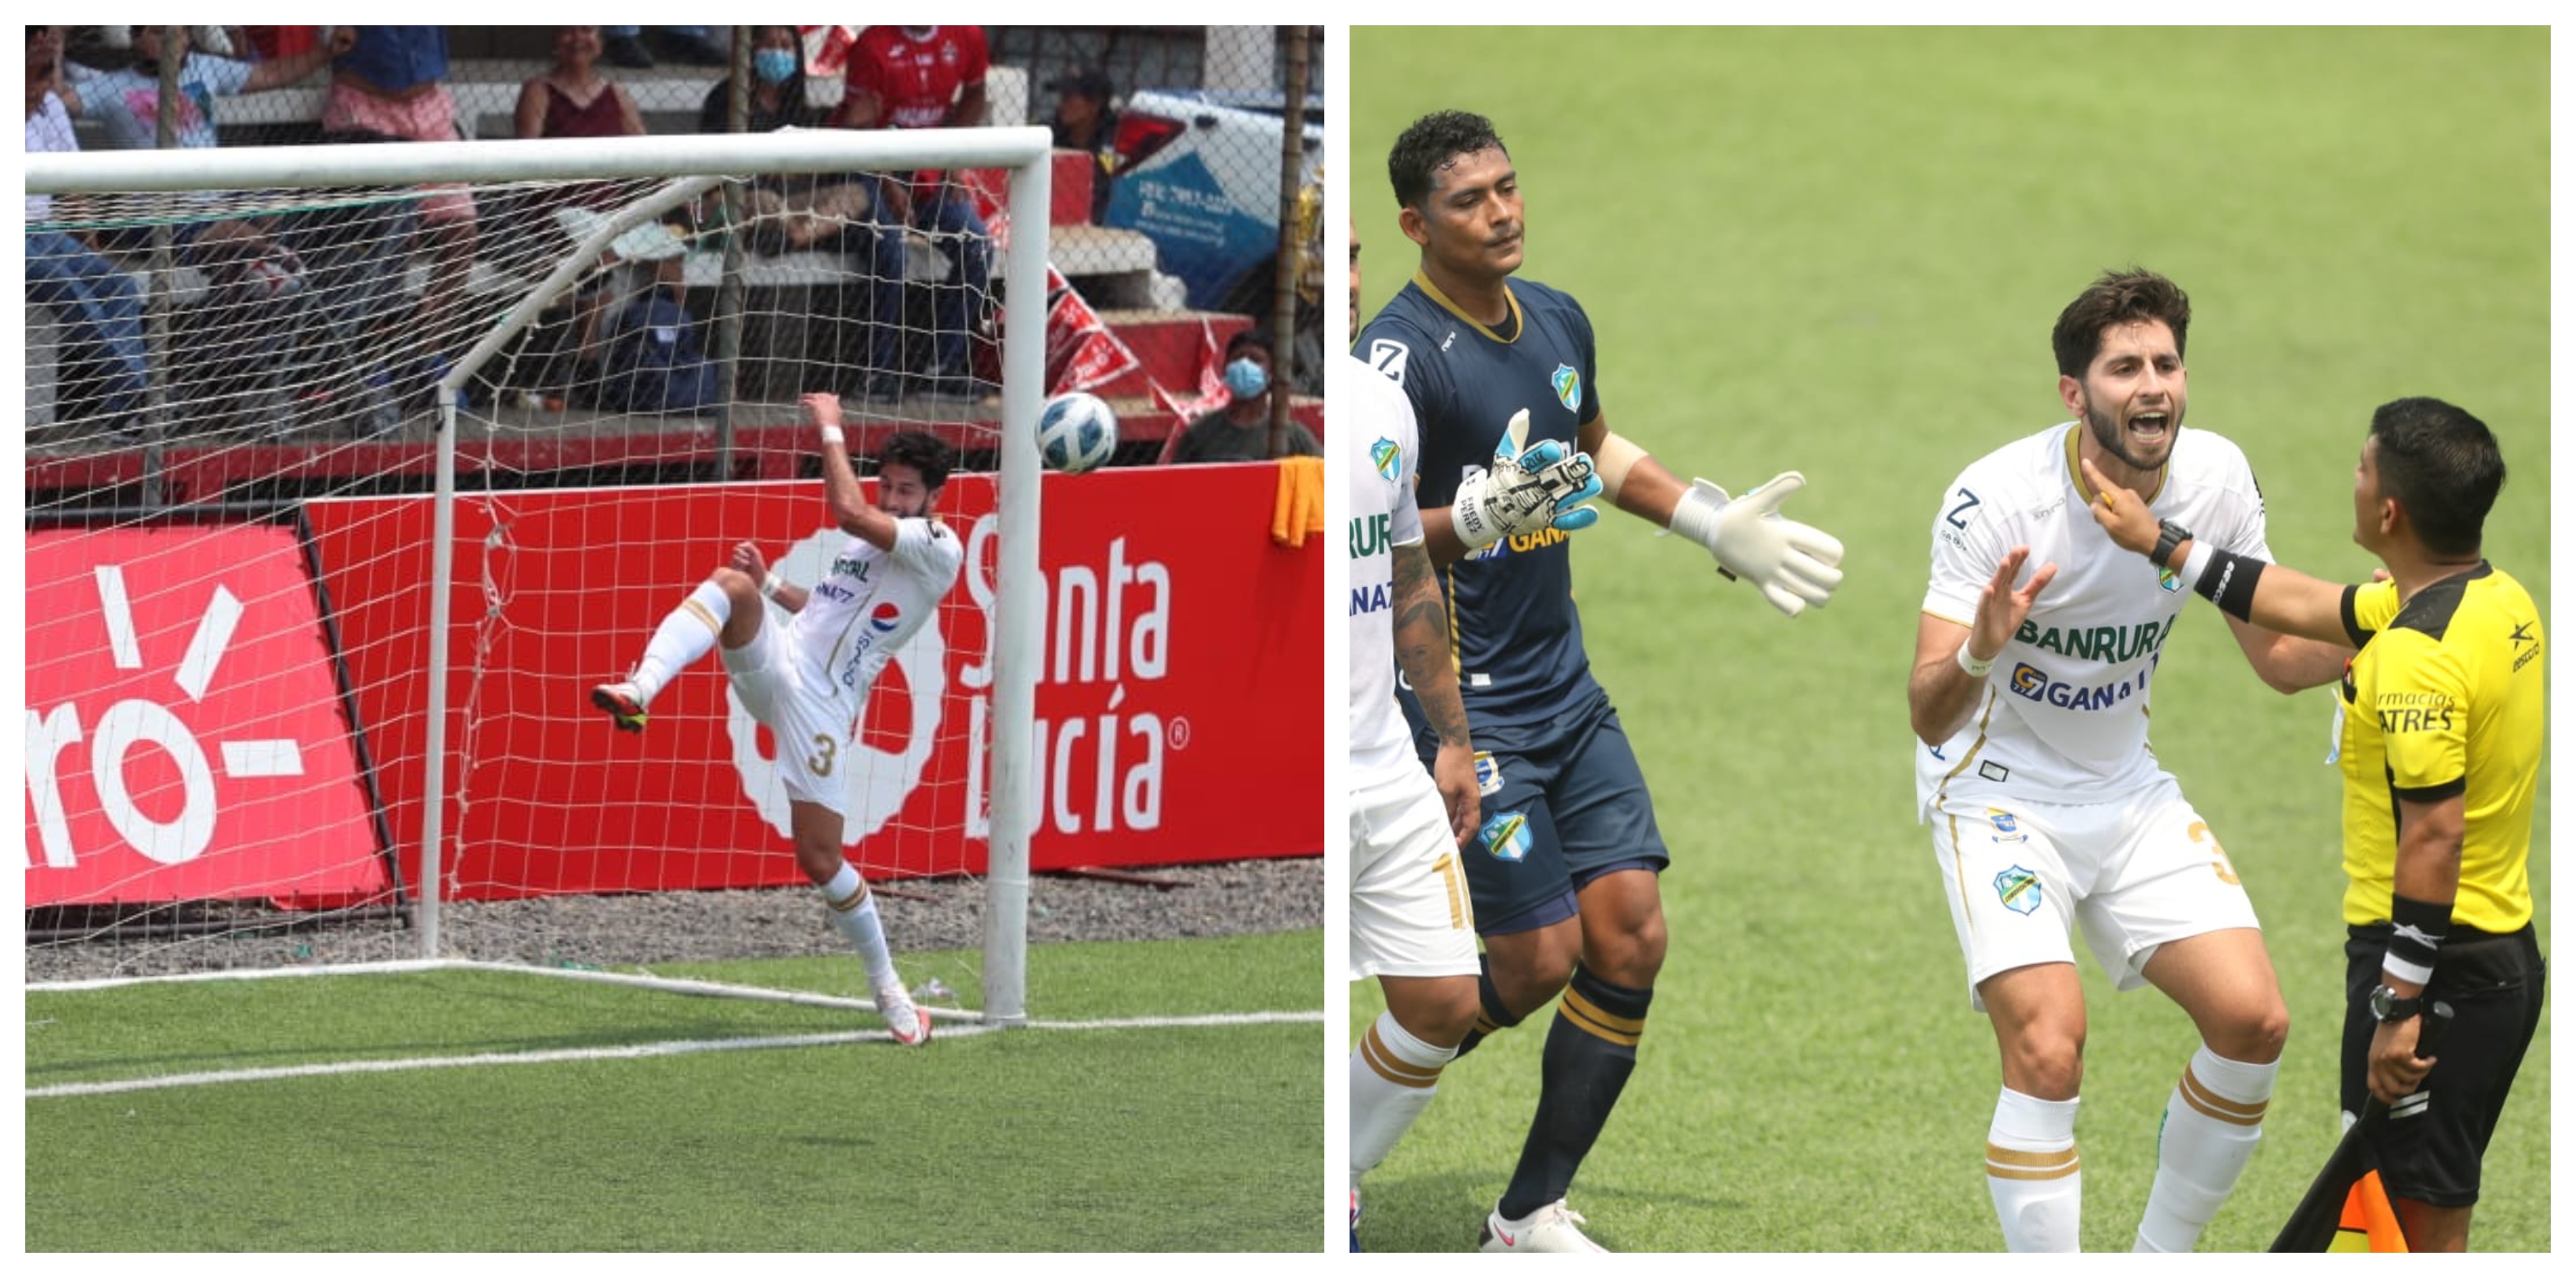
x=868, y=602
x=2063, y=716
x=1384, y=448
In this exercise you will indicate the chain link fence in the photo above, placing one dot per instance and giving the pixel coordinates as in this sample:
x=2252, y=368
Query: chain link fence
x=1186, y=209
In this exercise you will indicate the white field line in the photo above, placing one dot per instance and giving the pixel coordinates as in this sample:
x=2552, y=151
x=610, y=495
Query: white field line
x=971, y=1029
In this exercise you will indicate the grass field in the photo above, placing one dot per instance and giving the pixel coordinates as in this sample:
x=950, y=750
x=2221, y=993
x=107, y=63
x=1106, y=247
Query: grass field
x=1841, y=251
x=1060, y=1137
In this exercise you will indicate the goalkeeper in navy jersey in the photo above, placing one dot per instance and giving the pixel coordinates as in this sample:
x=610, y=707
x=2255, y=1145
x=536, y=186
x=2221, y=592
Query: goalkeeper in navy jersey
x=1501, y=373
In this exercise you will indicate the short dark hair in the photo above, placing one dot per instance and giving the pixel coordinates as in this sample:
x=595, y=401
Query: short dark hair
x=1246, y=340
x=1428, y=145
x=2443, y=466
x=922, y=451
x=2119, y=297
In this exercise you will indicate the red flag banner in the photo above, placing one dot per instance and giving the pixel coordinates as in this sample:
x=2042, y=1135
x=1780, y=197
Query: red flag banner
x=1081, y=352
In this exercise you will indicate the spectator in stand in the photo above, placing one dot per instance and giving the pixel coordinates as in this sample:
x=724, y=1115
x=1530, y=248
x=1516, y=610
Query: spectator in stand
x=825, y=212
x=1085, y=122
x=572, y=100
x=625, y=47
x=792, y=212
x=99, y=371
x=390, y=84
x=284, y=42
x=777, y=93
x=927, y=78
x=247, y=338
x=127, y=100
x=1240, y=431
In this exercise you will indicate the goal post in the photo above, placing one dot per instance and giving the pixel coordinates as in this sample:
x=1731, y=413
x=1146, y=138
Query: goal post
x=151, y=193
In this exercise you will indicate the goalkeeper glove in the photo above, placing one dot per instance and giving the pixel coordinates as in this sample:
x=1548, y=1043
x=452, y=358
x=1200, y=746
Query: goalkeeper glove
x=1793, y=564
x=1525, y=490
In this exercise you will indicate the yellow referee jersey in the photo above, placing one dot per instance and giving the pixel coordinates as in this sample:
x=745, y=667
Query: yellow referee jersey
x=2443, y=698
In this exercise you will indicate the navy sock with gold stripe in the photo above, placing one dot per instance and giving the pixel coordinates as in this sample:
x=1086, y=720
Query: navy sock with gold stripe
x=1491, y=1016
x=1591, y=1050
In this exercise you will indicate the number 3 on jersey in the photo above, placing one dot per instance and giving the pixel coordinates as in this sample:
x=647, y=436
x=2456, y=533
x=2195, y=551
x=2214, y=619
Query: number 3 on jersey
x=2199, y=833
x=827, y=753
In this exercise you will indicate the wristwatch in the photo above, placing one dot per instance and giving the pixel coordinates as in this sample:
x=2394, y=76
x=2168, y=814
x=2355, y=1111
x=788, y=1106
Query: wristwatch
x=2168, y=535
x=2385, y=1006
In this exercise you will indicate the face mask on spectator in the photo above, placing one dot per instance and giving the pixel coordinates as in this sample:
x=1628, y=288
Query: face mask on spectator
x=773, y=66
x=1246, y=379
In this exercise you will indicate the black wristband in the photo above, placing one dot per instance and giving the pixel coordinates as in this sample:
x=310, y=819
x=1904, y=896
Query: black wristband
x=2168, y=536
x=2416, y=942
x=2228, y=581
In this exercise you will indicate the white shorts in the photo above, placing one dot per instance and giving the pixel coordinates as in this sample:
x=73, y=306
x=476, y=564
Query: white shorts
x=1409, y=909
x=2135, y=873
x=809, y=729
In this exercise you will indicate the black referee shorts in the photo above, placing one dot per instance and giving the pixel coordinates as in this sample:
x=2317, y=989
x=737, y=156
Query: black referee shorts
x=2493, y=984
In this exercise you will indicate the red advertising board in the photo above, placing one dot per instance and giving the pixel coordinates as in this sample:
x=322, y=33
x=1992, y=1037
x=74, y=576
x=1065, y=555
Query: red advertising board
x=185, y=738
x=1180, y=706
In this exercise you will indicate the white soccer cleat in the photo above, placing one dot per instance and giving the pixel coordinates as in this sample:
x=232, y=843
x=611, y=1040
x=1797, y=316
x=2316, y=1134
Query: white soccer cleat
x=1550, y=1228
x=909, y=1024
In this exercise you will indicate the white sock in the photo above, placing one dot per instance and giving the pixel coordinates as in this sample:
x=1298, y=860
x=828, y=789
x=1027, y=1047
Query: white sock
x=2212, y=1124
x=2033, y=1173
x=854, y=910
x=1393, y=1077
x=688, y=633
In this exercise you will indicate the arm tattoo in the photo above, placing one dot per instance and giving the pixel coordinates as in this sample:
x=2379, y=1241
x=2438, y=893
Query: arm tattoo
x=1422, y=642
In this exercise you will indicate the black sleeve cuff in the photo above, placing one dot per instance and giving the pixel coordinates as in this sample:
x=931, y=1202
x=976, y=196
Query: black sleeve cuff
x=2352, y=623
x=2452, y=788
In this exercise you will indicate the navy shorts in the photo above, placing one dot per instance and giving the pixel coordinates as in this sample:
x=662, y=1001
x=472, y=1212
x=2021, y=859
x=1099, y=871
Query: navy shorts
x=1564, y=810
x=2493, y=984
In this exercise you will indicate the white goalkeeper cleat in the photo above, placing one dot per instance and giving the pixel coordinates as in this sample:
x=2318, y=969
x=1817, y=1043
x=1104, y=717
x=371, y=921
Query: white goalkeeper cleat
x=1550, y=1228
x=909, y=1024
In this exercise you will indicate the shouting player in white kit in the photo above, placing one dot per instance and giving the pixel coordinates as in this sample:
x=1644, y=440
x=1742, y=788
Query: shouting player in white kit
x=2048, y=808
x=807, y=680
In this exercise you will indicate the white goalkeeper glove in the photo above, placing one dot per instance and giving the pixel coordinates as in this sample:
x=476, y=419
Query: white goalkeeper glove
x=1525, y=490
x=1793, y=564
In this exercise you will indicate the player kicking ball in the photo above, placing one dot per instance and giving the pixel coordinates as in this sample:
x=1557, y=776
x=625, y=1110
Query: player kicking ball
x=807, y=678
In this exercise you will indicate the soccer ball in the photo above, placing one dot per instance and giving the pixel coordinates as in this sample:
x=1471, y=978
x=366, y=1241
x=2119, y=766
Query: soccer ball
x=1076, y=432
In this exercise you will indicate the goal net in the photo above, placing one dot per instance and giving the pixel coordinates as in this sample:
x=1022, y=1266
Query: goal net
x=350, y=470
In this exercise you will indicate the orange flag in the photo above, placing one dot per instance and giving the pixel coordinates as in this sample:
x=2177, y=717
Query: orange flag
x=2369, y=1223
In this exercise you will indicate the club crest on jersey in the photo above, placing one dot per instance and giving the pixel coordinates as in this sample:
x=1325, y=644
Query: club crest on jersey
x=1507, y=836
x=884, y=618
x=1569, y=387
x=2018, y=889
x=2169, y=579
x=1387, y=458
x=2007, y=830
x=1489, y=774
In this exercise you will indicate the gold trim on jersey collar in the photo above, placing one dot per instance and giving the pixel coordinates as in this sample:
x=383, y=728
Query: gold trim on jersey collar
x=1520, y=321
x=2075, y=470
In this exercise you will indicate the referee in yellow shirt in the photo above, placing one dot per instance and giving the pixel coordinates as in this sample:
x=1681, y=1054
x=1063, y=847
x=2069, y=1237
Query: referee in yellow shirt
x=2439, y=743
